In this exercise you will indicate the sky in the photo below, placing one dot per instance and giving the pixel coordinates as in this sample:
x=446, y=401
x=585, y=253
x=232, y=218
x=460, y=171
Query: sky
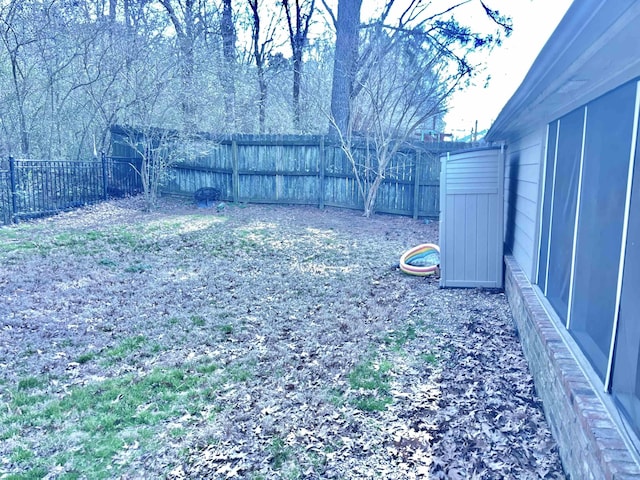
x=533, y=22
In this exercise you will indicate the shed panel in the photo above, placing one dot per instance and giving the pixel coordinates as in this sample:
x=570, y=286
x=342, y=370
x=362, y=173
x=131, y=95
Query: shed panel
x=471, y=218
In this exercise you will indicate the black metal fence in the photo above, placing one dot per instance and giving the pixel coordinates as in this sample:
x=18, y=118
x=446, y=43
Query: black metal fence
x=35, y=188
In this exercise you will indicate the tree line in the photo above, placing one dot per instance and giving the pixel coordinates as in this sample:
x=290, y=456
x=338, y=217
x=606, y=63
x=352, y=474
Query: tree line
x=69, y=69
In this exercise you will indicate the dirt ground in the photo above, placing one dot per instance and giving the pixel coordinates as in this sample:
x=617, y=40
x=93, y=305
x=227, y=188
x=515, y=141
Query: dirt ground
x=330, y=362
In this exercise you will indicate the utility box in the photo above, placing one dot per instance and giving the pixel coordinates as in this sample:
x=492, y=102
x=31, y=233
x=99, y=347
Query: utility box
x=472, y=218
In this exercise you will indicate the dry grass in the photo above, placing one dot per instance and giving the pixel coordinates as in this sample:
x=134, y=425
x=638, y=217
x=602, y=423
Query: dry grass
x=255, y=342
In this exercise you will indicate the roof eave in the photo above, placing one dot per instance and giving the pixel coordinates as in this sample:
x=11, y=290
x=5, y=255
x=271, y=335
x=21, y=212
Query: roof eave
x=585, y=30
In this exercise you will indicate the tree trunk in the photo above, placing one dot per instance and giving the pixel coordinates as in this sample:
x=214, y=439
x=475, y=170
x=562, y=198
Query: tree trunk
x=24, y=134
x=372, y=195
x=127, y=20
x=297, y=67
x=262, y=102
x=186, y=31
x=298, y=23
x=259, y=56
x=113, y=6
x=187, y=94
x=344, y=65
x=228, y=32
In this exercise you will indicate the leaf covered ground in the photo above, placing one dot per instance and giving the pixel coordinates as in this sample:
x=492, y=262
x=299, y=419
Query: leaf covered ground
x=255, y=342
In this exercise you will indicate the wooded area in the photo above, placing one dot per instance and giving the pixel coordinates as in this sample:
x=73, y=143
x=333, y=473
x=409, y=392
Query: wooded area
x=71, y=69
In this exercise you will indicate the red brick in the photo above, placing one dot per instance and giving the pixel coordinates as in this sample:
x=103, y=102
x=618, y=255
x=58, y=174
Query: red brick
x=590, y=446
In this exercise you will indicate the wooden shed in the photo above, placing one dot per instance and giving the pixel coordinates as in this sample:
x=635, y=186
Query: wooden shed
x=471, y=218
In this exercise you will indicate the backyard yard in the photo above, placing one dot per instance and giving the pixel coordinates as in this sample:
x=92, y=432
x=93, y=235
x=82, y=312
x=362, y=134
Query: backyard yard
x=253, y=342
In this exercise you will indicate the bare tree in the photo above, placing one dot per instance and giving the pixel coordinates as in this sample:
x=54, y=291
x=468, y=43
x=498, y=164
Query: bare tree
x=72, y=69
x=402, y=77
x=152, y=105
x=347, y=26
x=19, y=35
x=186, y=18
x=455, y=42
x=229, y=37
x=407, y=86
x=298, y=22
x=113, y=8
x=262, y=42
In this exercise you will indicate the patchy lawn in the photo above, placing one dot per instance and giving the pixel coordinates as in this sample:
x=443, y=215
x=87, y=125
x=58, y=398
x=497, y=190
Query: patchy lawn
x=256, y=342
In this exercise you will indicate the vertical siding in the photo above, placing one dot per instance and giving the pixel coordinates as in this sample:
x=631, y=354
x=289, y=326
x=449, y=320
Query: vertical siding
x=521, y=192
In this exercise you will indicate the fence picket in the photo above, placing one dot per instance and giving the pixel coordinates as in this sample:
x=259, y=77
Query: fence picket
x=235, y=176
x=321, y=168
x=105, y=179
x=416, y=185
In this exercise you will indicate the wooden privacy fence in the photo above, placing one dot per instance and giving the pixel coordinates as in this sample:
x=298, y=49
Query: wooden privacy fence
x=35, y=188
x=306, y=170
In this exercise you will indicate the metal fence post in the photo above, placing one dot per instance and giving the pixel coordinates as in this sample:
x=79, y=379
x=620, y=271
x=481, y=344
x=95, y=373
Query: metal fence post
x=12, y=181
x=105, y=179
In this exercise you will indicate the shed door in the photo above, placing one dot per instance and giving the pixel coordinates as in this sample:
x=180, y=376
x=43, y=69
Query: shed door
x=471, y=219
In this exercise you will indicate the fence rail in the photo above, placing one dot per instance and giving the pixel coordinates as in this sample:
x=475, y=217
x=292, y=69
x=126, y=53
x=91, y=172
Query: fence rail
x=35, y=188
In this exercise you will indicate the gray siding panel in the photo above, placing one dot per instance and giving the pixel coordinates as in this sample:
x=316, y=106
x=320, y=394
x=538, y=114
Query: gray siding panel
x=527, y=211
x=522, y=187
x=526, y=189
x=527, y=171
x=523, y=247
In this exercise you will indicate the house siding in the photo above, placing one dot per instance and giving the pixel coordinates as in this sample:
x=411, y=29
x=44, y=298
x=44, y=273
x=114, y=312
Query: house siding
x=522, y=190
x=594, y=436
x=579, y=331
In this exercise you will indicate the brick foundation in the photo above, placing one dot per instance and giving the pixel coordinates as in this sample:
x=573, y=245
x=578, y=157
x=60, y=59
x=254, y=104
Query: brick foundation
x=590, y=444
